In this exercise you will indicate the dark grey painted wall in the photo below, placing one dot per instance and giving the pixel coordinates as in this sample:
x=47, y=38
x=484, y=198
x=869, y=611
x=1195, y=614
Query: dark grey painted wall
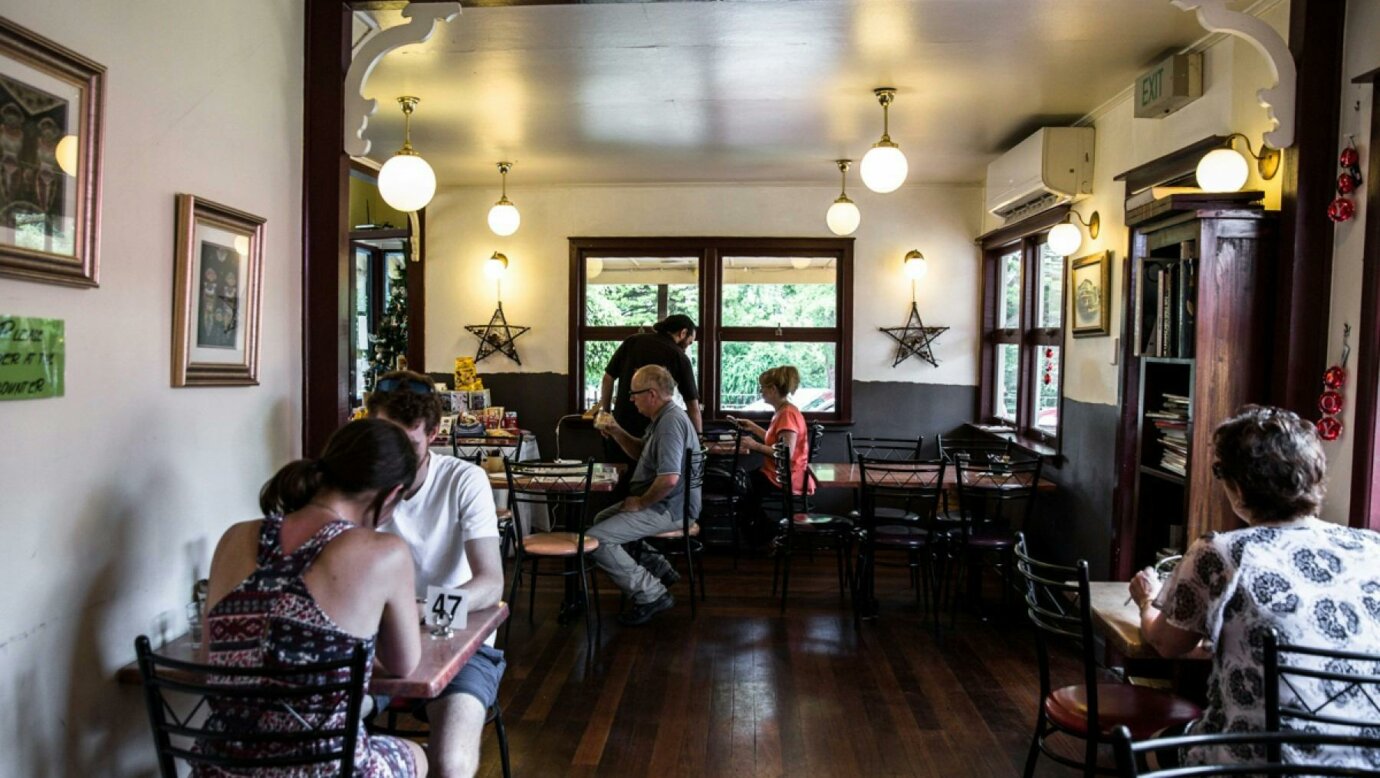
x=1076, y=520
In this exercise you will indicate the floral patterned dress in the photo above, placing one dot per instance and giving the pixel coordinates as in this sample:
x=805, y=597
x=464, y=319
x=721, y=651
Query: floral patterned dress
x=1317, y=584
x=271, y=620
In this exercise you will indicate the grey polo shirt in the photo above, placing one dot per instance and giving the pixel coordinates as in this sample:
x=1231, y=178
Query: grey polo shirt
x=663, y=453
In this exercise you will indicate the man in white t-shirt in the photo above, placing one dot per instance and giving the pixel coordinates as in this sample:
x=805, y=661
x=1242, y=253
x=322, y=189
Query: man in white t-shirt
x=448, y=520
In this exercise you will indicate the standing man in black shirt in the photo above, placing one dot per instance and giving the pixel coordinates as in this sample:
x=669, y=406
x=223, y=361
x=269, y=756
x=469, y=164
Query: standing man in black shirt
x=665, y=345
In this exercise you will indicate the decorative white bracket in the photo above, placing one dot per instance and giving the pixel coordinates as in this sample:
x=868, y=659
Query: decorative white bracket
x=1277, y=100
x=358, y=108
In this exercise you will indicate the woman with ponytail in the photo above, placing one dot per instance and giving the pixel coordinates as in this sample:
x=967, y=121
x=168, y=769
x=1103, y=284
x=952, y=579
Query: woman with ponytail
x=787, y=426
x=311, y=581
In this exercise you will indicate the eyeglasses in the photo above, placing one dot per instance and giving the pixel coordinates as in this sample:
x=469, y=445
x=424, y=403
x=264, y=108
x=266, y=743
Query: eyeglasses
x=635, y=393
x=407, y=384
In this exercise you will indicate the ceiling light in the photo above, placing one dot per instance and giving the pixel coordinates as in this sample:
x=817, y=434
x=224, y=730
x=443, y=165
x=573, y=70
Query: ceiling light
x=843, y=217
x=915, y=265
x=406, y=181
x=884, y=167
x=800, y=263
x=593, y=267
x=504, y=217
x=66, y=153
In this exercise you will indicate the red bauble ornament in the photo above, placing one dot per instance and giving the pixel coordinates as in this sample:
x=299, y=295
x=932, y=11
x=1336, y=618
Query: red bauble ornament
x=1334, y=377
x=1346, y=183
x=1349, y=157
x=1049, y=353
x=1048, y=379
x=1341, y=210
x=1330, y=403
x=1329, y=428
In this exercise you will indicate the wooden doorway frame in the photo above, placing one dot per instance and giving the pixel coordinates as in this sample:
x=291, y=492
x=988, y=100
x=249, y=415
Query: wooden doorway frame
x=1365, y=467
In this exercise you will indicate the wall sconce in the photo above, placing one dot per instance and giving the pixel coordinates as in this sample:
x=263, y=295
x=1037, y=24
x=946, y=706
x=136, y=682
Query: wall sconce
x=406, y=181
x=1065, y=238
x=504, y=217
x=496, y=265
x=884, y=167
x=915, y=265
x=1226, y=169
x=843, y=216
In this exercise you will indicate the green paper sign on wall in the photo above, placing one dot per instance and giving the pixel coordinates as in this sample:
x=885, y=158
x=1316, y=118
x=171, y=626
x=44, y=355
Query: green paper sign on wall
x=32, y=357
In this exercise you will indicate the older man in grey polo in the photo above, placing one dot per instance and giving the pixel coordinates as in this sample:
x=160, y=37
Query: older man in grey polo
x=657, y=496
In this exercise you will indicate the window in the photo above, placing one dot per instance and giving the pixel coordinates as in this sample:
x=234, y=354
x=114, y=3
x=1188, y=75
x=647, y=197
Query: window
x=1023, y=320
x=759, y=303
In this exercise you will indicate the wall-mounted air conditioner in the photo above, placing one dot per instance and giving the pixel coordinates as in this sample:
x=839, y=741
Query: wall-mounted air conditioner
x=1051, y=167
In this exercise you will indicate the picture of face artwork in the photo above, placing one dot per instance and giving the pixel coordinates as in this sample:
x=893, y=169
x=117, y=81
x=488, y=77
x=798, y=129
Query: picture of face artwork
x=37, y=157
x=218, y=303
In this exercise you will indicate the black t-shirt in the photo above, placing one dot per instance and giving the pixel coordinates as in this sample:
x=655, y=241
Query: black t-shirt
x=648, y=348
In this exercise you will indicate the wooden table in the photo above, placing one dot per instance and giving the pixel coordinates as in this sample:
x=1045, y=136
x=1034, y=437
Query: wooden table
x=1119, y=622
x=604, y=479
x=842, y=475
x=441, y=659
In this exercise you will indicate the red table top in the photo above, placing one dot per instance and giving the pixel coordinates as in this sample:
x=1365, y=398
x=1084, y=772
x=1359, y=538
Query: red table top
x=604, y=479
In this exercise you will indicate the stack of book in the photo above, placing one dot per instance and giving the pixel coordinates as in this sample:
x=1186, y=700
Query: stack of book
x=1171, y=422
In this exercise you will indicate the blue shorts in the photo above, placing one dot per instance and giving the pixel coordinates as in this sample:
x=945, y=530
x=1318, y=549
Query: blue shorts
x=479, y=678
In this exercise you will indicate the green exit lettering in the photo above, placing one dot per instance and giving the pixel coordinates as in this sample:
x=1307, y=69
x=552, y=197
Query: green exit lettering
x=1150, y=86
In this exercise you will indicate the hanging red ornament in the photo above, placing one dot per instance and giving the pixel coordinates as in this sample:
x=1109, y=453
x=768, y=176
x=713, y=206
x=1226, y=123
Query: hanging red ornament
x=1329, y=428
x=1346, y=183
x=1350, y=157
x=1330, y=403
x=1049, y=353
x=1049, y=379
x=1335, y=377
x=1341, y=210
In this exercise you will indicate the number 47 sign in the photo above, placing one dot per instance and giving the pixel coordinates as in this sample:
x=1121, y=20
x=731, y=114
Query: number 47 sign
x=447, y=607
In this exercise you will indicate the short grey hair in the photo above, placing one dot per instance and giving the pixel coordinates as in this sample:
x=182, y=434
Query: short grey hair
x=657, y=377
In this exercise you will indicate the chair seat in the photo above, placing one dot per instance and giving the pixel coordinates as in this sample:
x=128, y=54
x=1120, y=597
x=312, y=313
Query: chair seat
x=901, y=537
x=1142, y=710
x=991, y=541
x=556, y=544
x=672, y=534
x=887, y=514
x=818, y=522
x=504, y=514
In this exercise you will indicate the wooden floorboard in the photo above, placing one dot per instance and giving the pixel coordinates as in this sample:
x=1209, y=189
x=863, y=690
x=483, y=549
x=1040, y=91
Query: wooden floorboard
x=744, y=690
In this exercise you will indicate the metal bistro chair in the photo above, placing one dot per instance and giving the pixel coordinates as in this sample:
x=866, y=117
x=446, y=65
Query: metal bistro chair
x=686, y=540
x=725, y=484
x=878, y=449
x=306, y=692
x=563, y=490
x=803, y=525
x=1130, y=755
x=1306, y=687
x=385, y=722
x=995, y=500
x=503, y=513
x=1059, y=606
x=816, y=435
x=899, y=506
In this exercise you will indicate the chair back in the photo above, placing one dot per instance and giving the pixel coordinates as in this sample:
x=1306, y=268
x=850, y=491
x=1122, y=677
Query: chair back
x=559, y=489
x=999, y=492
x=303, y=692
x=1129, y=755
x=910, y=486
x=1319, y=688
x=782, y=455
x=883, y=448
x=692, y=475
x=1058, y=603
x=952, y=447
x=816, y=437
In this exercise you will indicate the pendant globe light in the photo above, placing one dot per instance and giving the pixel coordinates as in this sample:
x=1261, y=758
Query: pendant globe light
x=843, y=217
x=884, y=167
x=504, y=217
x=406, y=181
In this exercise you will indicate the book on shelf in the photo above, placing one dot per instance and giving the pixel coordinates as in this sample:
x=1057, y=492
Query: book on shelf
x=1166, y=303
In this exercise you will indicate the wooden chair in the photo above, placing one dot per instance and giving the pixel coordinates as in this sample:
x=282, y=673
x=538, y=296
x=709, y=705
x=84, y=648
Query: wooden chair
x=995, y=500
x=1131, y=754
x=898, y=510
x=686, y=540
x=1310, y=687
x=1059, y=605
x=182, y=731
x=798, y=525
x=561, y=490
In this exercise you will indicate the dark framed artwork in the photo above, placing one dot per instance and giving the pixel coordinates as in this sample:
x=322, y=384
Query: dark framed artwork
x=51, y=106
x=218, y=289
x=1090, y=295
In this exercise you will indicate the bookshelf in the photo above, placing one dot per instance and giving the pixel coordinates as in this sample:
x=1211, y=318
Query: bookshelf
x=1198, y=299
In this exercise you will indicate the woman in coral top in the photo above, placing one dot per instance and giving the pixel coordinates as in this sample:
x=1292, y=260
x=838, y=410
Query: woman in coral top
x=787, y=426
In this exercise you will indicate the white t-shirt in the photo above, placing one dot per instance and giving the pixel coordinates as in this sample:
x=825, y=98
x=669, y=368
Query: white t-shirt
x=454, y=505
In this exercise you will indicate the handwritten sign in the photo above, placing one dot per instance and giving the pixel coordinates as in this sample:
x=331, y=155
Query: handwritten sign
x=446, y=606
x=32, y=357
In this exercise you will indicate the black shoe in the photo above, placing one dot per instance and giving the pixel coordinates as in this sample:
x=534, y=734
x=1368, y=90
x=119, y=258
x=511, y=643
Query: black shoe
x=643, y=613
x=670, y=577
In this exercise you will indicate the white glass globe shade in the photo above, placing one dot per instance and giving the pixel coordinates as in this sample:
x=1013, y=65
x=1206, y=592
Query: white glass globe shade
x=843, y=217
x=884, y=169
x=407, y=182
x=242, y=245
x=1064, y=239
x=800, y=263
x=504, y=219
x=593, y=267
x=1223, y=170
x=916, y=267
x=66, y=153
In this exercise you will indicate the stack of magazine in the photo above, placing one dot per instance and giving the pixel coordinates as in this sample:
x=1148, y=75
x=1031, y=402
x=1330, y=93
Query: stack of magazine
x=1172, y=424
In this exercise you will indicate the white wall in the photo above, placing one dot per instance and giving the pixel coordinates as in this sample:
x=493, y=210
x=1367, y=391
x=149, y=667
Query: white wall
x=112, y=497
x=940, y=221
x=1362, y=54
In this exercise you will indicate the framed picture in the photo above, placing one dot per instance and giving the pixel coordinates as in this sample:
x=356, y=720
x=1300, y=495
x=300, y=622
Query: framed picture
x=51, y=103
x=1090, y=295
x=217, y=288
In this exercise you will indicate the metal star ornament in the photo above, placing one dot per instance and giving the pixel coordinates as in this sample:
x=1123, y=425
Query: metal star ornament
x=497, y=336
x=914, y=339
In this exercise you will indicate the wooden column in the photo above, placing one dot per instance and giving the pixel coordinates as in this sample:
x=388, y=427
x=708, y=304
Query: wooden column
x=325, y=211
x=1365, y=469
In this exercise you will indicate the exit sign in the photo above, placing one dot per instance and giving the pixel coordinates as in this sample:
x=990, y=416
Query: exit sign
x=1169, y=86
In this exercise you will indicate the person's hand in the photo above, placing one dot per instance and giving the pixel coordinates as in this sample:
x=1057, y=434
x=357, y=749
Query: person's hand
x=1144, y=586
x=745, y=447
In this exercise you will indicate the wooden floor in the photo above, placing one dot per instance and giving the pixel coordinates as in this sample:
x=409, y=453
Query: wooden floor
x=743, y=690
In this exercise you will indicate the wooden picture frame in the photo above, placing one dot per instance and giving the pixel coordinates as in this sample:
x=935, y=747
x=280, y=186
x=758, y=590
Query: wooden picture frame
x=1090, y=295
x=52, y=101
x=217, y=294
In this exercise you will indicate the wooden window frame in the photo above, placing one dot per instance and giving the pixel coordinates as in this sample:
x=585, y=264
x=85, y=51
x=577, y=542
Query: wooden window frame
x=709, y=251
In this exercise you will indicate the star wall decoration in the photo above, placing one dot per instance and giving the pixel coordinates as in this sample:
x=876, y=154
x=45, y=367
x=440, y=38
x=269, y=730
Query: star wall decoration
x=914, y=338
x=497, y=336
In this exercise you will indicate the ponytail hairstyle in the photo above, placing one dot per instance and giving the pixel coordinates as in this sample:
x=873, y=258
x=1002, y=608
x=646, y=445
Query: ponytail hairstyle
x=367, y=455
x=785, y=379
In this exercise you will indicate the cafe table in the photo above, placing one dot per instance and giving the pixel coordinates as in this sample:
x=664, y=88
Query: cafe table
x=441, y=658
x=843, y=475
x=1118, y=621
